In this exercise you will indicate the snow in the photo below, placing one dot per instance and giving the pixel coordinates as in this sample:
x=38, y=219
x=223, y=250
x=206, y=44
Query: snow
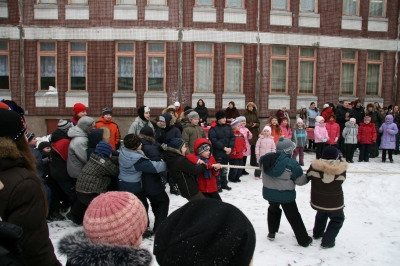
x=370, y=234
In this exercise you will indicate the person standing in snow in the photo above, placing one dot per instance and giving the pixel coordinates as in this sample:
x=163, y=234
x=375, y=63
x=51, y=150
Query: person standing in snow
x=299, y=137
x=107, y=121
x=388, y=139
x=327, y=176
x=280, y=175
x=349, y=134
x=265, y=144
x=247, y=137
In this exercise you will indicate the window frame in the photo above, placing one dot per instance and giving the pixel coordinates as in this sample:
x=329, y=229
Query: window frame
x=38, y=2
x=287, y=10
x=308, y=59
x=78, y=4
x=204, y=55
x=282, y=58
x=383, y=13
x=125, y=54
x=156, y=54
x=118, y=4
x=309, y=12
x=374, y=62
x=357, y=11
x=226, y=4
x=46, y=53
x=234, y=56
x=348, y=61
x=212, y=4
x=77, y=53
x=7, y=53
x=149, y=4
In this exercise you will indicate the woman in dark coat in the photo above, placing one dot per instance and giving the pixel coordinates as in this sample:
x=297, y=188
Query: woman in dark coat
x=231, y=112
x=22, y=198
x=202, y=110
x=253, y=124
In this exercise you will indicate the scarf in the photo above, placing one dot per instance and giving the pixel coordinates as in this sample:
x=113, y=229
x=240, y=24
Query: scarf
x=206, y=173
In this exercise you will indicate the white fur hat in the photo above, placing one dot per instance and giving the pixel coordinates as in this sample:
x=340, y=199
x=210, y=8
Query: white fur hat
x=326, y=105
x=319, y=118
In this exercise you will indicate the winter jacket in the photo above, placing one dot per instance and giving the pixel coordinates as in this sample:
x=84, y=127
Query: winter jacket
x=59, y=155
x=10, y=251
x=366, y=133
x=389, y=131
x=333, y=129
x=280, y=115
x=240, y=146
x=326, y=178
x=202, y=111
x=280, y=175
x=252, y=117
x=312, y=114
x=115, y=136
x=190, y=134
x=96, y=175
x=300, y=137
x=80, y=251
x=341, y=115
x=170, y=131
x=350, y=133
x=231, y=114
x=38, y=160
x=247, y=136
x=287, y=132
x=23, y=204
x=327, y=111
x=183, y=171
x=77, y=151
x=320, y=133
x=376, y=119
x=264, y=145
x=209, y=184
x=138, y=124
x=221, y=136
x=359, y=114
x=95, y=136
x=152, y=184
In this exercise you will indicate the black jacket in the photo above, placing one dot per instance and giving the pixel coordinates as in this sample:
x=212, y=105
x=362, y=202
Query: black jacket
x=221, y=136
x=341, y=115
x=202, y=111
x=359, y=114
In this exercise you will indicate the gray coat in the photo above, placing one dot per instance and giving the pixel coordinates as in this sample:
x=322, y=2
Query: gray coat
x=77, y=155
x=138, y=124
x=350, y=133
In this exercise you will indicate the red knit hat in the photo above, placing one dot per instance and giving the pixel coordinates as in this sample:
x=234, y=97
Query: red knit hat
x=117, y=218
x=79, y=107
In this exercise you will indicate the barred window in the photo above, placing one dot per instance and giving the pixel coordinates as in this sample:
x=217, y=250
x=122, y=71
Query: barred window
x=47, y=53
x=125, y=60
x=233, y=68
x=77, y=65
x=204, y=57
x=156, y=66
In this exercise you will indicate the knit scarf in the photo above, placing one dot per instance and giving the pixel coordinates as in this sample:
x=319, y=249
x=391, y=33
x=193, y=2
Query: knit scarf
x=207, y=173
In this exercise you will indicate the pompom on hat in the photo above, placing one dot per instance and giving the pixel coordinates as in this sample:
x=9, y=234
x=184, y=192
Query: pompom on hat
x=330, y=153
x=285, y=145
x=12, y=124
x=116, y=218
x=132, y=141
x=177, y=104
x=79, y=107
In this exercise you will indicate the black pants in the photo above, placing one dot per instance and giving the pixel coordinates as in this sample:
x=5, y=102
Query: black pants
x=213, y=195
x=350, y=148
x=374, y=150
x=364, y=152
x=159, y=205
x=335, y=223
x=390, y=152
x=81, y=204
x=222, y=178
x=320, y=147
x=292, y=215
x=142, y=197
x=253, y=158
x=57, y=196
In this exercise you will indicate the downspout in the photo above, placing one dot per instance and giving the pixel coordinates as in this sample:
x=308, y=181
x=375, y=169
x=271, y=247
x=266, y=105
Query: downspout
x=396, y=64
x=21, y=53
x=180, y=45
x=257, y=89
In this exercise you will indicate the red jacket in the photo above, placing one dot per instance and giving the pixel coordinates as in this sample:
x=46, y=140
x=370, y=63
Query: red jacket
x=205, y=185
x=326, y=112
x=366, y=133
x=333, y=129
x=240, y=146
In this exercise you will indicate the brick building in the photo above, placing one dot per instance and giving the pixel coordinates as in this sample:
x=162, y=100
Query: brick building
x=127, y=53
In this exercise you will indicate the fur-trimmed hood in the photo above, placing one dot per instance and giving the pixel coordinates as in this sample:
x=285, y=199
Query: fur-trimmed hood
x=254, y=106
x=331, y=167
x=166, y=148
x=8, y=149
x=81, y=251
x=150, y=139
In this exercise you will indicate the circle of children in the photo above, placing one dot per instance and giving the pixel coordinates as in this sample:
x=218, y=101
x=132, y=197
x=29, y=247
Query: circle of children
x=106, y=181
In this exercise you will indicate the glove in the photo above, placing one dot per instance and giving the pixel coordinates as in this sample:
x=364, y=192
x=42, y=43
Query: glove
x=46, y=160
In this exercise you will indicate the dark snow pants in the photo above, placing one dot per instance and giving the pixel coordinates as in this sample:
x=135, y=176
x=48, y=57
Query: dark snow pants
x=159, y=205
x=335, y=223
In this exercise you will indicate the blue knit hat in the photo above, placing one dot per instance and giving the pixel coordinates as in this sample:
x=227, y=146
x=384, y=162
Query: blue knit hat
x=103, y=149
x=176, y=143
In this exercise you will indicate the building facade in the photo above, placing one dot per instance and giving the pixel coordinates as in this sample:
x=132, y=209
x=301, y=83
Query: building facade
x=127, y=53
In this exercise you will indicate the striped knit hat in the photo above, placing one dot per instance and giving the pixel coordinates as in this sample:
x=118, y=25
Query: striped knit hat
x=64, y=125
x=116, y=218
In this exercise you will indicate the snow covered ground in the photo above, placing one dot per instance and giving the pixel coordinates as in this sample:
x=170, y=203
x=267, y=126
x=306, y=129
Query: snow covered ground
x=370, y=234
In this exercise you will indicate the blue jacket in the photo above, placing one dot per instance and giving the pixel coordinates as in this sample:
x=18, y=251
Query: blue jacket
x=280, y=175
x=221, y=136
x=312, y=113
x=299, y=136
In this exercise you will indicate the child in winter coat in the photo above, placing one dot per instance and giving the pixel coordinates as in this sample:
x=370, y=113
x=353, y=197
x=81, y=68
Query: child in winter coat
x=326, y=111
x=193, y=131
x=333, y=129
x=247, y=136
x=388, y=139
x=320, y=135
x=299, y=137
x=265, y=144
x=366, y=136
x=287, y=130
x=276, y=130
x=349, y=134
x=327, y=176
x=237, y=153
x=206, y=180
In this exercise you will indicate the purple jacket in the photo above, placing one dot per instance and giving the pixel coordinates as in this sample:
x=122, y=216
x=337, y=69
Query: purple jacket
x=389, y=131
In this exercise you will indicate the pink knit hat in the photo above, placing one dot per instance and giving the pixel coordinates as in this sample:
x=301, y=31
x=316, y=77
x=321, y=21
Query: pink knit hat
x=117, y=218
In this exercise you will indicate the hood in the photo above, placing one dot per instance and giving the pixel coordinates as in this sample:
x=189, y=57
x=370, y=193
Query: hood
x=390, y=117
x=168, y=118
x=97, y=135
x=147, y=138
x=58, y=134
x=8, y=149
x=328, y=117
x=171, y=154
x=319, y=125
x=81, y=251
x=330, y=167
x=199, y=142
x=273, y=164
x=347, y=124
x=254, y=106
x=76, y=131
x=128, y=157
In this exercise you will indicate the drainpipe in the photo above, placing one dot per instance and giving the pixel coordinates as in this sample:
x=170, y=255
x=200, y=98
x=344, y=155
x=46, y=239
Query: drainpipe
x=396, y=65
x=257, y=89
x=21, y=53
x=180, y=45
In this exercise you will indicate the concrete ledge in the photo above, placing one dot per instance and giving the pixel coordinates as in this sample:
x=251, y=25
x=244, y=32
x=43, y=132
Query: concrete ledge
x=238, y=98
x=155, y=99
x=77, y=12
x=73, y=97
x=280, y=18
x=5, y=94
x=124, y=99
x=46, y=99
x=235, y=15
x=275, y=101
x=46, y=12
x=208, y=99
x=207, y=14
x=309, y=20
x=125, y=13
x=378, y=24
x=305, y=100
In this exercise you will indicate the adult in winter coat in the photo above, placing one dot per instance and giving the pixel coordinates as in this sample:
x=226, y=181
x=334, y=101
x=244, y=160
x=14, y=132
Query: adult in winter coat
x=252, y=124
x=141, y=121
x=202, y=110
x=281, y=113
x=333, y=129
x=388, y=140
x=231, y=112
x=77, y=150
x=377, y=119
x=281, y=174
x=396, y=115
x=326, y=111
x=349, y=134
x=181, y=169
x=22, y=198
x=193, y=131
x=106, y=120
x=303, y=114
x=343, y=115
x=366, y=137
x=358, y=112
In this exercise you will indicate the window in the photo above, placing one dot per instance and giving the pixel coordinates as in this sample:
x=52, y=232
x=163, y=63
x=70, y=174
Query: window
x=126, y=2
x=308, y=6
x=307, y=70
x=280, y=5
x=350, y=7
x=77, y=65
x=47, y=1
x=207, y=3
x=233, y=68
x=279, y=65
x=374, y=73
x=4, y=73
x=155, y=66
x=78, y=2
x=125, y=60
x=348, y=72
x=204, y=67
x=157, y=2
x=47, y=53
x=377, y=8
x=235, y=3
